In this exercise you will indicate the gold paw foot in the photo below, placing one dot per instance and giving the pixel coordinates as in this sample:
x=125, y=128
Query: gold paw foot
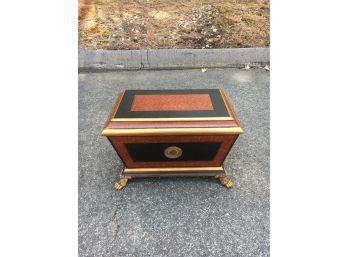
x=121, y=183
x=225, y=181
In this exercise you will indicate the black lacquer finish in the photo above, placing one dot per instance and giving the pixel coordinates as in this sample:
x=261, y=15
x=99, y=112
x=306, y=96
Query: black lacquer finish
x=124, y=110
x=154, y=152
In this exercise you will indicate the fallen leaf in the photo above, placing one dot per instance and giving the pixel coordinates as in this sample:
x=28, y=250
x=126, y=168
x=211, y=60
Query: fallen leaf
x=266, y=67
x=204, y=69
x=159, y=15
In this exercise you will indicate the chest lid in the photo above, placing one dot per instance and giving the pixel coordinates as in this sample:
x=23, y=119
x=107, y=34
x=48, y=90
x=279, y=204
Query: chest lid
x=169, y=110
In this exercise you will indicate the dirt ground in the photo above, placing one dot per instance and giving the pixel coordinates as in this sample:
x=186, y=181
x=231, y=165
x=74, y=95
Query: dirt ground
x=148, y=24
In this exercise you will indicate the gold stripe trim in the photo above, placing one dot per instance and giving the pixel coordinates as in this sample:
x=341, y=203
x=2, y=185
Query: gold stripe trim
x=172, y=119
x=171, y=131
x=178, y=169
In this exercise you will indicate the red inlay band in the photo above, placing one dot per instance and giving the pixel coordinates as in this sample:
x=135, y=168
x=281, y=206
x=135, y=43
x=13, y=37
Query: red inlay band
x=172, y=102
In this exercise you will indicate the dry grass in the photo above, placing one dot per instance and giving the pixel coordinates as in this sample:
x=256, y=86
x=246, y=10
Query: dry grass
x=143, y=24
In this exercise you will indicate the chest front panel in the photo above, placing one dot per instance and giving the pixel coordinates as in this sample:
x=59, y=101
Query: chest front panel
x=178, y=151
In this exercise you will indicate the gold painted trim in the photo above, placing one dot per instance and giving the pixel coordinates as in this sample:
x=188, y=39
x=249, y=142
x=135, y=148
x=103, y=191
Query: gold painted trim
x=172, y=119
x=171, y=131
x=178, y=169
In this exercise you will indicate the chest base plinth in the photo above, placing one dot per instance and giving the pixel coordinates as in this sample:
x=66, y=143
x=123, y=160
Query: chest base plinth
x=217, y=172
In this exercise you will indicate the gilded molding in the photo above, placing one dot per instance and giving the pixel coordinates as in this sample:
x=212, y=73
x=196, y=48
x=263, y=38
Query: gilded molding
x=176, y=169
x=172, y=131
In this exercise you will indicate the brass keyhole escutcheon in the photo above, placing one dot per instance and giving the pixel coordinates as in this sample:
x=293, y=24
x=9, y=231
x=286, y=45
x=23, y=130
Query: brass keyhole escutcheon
x=173, y=152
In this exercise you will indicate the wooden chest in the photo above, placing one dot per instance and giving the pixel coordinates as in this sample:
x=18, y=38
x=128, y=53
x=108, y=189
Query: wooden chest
x=172, y=133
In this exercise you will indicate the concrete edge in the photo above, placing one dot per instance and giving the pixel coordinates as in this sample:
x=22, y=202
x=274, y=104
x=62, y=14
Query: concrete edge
x=157, y=59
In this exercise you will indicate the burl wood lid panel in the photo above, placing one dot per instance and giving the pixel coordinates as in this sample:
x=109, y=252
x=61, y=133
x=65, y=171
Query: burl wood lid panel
x=171, y=104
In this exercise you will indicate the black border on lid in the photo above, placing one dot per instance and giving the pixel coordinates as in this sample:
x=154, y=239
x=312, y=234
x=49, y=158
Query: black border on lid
x=124, y=110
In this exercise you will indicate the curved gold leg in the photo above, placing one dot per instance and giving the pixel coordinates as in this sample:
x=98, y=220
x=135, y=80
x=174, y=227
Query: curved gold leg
x=225, y=181
x=121, y=183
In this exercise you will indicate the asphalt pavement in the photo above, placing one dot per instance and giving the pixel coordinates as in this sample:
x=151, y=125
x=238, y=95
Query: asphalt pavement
x=175, y=216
